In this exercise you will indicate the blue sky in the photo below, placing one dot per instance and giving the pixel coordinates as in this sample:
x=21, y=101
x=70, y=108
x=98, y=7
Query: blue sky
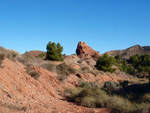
x=103, y=24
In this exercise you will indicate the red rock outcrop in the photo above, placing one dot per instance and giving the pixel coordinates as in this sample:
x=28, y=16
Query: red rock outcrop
x=84, y=51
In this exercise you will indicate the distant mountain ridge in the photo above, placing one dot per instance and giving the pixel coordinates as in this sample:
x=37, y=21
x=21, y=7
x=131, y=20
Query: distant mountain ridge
x=137, y=49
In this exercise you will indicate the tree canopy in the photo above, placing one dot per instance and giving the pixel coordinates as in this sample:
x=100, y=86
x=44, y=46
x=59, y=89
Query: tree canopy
x=105, y=63
x=54, y=51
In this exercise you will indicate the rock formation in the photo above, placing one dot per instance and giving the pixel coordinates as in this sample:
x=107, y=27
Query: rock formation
x=137, y=49
x=84, y=51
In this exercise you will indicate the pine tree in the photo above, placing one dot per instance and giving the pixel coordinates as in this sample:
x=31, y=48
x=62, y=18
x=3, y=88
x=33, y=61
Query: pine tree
x=105, y=63
x=54, y=52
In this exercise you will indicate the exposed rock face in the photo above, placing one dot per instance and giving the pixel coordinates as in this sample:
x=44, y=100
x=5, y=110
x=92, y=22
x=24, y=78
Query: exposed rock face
x=84, y=51
x=137, y=49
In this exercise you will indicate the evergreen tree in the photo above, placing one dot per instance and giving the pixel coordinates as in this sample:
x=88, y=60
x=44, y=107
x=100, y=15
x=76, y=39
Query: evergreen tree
x=105, y=63
x=54, y=51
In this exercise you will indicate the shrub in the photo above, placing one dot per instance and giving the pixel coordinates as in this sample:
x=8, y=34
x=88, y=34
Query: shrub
x=32, y=72
x=90, y=95
x=70, y=93
x=42, y=55
x=89, y=85
x=84, y=69
x=10, y=54
x=49, y=66
x=65, y=69
x=62, y=77
x=105, y=63
x=141, y=62
x=89, y=102
x=146, y=98
x=85, y=95
x=110, y=87
x=30, y=60
x=120, y=105
x=118, y=57
x=124, y=83
x=130, y=70
x=54, y=52
x=2, y=57
x=95, y=72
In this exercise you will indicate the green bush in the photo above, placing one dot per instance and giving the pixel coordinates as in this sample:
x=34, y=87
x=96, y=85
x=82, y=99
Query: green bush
x=130, y=70
x=42, y=55
x=88, y=102
x=89, y=95
x=105, y=63
x=54, y=52
x=124, y=66
x=141, y=62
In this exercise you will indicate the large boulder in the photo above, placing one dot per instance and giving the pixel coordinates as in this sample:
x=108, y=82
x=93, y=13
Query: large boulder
x=84, y=51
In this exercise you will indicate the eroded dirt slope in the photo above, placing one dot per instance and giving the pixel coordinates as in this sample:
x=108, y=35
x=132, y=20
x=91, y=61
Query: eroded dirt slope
x=20, y=93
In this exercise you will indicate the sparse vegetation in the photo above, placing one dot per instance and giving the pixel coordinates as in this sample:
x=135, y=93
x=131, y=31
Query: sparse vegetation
x=2, y=57
x=85, y=69
x=30, y=60
x=64, y=71
x=62, y=77
x=122, y=97
x=10, y=54
x=91, y=95
x=49, y=66
x=32, y=72
x=13, y=106
x=95, y=72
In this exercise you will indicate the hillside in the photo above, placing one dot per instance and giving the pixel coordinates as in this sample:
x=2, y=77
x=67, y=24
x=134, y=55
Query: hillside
x=22, y=93
x=137, y=49
x=34, y=53
x=32, y=84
